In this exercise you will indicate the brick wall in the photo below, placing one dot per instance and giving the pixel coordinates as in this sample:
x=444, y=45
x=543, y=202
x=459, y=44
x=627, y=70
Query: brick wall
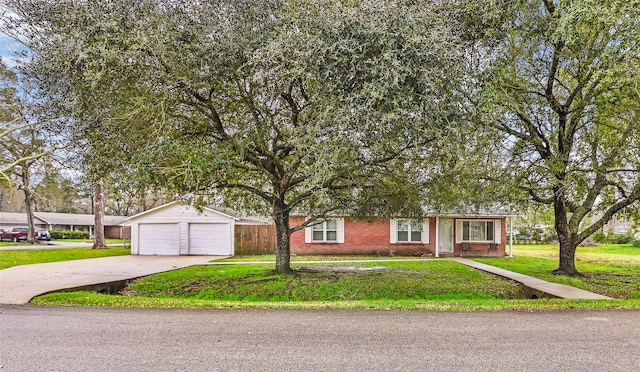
x=117, y=232
x=361, y=237
x=373, y=238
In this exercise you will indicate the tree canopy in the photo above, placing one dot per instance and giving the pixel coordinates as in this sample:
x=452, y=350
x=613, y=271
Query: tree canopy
x=561, y=97
x=279, y=107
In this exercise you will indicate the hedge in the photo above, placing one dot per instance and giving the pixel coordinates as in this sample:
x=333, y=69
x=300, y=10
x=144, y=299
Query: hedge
x=65, y=234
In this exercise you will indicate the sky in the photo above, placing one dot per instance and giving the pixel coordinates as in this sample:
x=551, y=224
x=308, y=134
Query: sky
x=8, y=49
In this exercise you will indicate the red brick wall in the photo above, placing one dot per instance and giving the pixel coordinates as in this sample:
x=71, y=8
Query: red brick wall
x=115, y=232
x=361, y=237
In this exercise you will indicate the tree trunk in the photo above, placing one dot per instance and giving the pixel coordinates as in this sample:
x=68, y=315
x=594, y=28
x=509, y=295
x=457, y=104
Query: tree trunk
x=99, y=202
x=28, y=204
x=567, y=254
x=283, y=249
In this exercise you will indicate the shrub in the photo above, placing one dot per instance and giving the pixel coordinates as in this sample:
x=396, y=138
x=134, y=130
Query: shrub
x=65, y=234
x=636, y=243
x=599, y=237
x=622, y=239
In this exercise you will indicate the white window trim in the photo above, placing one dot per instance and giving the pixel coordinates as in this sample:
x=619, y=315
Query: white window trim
x=393, y=232
x=308, y=233
x=497, y=230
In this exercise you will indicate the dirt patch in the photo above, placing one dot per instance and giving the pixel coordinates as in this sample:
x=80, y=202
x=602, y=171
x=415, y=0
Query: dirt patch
x=340, y=269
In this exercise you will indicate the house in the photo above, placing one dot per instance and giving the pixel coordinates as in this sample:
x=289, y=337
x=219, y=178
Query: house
x=176, y=229
x=618, y=225
x=466, y=235
x=66, y=221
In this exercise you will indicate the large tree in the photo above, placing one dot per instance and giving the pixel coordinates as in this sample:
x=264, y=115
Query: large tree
x=562, y=98
x=278, y=106
x=22, y=145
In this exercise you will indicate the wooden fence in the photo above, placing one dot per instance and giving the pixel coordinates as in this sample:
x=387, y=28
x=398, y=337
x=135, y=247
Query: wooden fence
x=255, y=239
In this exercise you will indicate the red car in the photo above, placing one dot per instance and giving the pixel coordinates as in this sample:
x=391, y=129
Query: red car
x=14, y=234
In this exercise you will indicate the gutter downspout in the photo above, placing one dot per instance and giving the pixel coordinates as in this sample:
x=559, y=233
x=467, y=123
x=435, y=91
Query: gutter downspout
x=437, y=237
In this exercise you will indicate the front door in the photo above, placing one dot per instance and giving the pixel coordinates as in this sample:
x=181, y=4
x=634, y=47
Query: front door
x=445, y=235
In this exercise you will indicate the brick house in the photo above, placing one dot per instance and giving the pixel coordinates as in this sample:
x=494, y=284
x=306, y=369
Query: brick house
x=67, y=221
x=464, y=235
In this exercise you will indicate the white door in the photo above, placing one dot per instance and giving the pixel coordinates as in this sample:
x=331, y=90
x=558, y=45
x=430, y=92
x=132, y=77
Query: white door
x=445, y=235
x=158, y=239
x=210, y=239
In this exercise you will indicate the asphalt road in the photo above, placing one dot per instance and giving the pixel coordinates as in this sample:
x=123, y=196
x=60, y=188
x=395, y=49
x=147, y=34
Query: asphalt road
x=92, y=339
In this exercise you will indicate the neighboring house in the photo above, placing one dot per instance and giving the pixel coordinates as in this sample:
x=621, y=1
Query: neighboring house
x=468, y=235
x=67, y=221
x=618, y=225
x=175, y=229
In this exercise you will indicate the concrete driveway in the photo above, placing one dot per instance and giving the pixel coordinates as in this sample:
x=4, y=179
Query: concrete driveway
x=19, y=284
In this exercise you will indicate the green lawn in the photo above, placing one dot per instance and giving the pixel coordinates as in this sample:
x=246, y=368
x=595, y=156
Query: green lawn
x=419, y=280
x=26, y=257
x=612, y=269
x=19, y=244
x=403, y=283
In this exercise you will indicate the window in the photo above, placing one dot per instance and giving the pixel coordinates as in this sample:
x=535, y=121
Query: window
x=473, y=231
x=409, y=231
x=326, y=231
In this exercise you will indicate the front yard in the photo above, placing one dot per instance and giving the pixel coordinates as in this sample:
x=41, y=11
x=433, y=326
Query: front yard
x=610, y=269
x=428, y=284
x=34, y=256
x=433, y=284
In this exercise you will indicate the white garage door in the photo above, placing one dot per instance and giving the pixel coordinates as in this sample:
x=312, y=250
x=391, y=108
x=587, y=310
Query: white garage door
x=209, y=239
x=158, y=239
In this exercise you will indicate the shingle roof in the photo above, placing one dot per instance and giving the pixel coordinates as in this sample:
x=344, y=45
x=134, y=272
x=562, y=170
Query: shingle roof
x=11, y=218
x=238, y=217
x=76, y=219
x=58, y=219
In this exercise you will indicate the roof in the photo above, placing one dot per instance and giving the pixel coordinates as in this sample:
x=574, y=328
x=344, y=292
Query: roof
x=230, y=213
x=51, y=218
x=460, y=214
x=11, y=218
x=77, y=219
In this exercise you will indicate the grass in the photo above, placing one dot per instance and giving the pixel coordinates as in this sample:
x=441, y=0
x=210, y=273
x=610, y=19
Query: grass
x=19, y=244
x=101, y=300
x=294, y=258
x=424, y=280
x=612, y=270
x=26, y=257
x=423, y=284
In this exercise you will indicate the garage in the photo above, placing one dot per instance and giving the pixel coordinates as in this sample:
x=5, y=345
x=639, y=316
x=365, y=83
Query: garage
x=177, y=229
x=158, y=239
x=210, y=238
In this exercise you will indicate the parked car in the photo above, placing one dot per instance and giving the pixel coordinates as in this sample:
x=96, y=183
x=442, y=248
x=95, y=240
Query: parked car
x=43, y=235
x=14, y=234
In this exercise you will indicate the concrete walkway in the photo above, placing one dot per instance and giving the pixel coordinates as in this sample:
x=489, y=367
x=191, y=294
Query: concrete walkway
x=540, y=287
x=19, y=284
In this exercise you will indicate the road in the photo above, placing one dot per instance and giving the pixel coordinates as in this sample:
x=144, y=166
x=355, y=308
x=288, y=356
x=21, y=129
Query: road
x=92, y=339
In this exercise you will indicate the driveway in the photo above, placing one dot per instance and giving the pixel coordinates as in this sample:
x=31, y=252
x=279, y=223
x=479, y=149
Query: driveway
x=19, y=284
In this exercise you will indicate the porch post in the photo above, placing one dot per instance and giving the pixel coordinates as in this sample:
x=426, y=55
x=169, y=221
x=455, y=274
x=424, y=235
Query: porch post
x=510, y=237
x=437, y=236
